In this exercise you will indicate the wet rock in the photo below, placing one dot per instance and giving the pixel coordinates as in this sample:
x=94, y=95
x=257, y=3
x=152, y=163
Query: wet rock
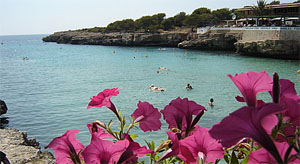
x=3, y=107
x=20, y=150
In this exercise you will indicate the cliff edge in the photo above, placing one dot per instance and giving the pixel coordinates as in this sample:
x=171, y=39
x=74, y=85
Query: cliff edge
x=169, y=39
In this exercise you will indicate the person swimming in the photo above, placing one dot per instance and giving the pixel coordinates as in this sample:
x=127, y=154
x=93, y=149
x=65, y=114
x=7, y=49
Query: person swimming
x=210, y=103
x=188, y=86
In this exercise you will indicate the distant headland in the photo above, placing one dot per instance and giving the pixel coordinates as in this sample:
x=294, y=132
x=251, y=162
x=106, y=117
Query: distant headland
x=268, y=32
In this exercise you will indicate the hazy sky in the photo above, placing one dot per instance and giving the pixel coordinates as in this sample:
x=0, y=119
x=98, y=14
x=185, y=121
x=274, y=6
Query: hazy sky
x=48, y=16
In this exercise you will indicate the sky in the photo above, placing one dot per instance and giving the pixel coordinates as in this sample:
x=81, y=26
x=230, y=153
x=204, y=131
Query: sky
x=19, y=17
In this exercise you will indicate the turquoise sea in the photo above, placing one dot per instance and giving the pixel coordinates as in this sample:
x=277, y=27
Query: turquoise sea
x=48, y=93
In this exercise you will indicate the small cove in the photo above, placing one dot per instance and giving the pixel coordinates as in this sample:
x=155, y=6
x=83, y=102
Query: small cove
x=48, y=93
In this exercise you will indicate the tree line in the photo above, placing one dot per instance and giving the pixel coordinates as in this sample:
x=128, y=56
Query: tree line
x=199, y=17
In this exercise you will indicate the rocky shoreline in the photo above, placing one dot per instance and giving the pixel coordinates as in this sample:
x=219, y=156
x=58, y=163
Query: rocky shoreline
x=20, y=150
x=16, y=148
x=244, y=43
x=169, y=39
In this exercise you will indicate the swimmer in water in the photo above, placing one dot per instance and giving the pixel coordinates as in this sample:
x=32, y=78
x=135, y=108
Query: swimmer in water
x=188, y=87
x=210, y=103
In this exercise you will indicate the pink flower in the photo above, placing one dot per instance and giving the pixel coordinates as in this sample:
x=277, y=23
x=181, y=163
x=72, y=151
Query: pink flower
x=98, y=132
x=263, y=156
x=287, y=90
x=133, y=151
x=66, y=147
x=147, y=116
x=103, y=99
x=289, y=100
x=247, y=122
x=252, y=83
x=174, y=149
x=179, y=113
x=104, y=151
x=200, y=146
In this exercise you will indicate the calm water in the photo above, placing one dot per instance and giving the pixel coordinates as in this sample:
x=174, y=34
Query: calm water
x=48, y=94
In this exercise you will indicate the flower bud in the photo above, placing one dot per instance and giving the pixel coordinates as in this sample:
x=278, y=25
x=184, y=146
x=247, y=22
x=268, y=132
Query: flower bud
x=99, y=123
x=276, y=88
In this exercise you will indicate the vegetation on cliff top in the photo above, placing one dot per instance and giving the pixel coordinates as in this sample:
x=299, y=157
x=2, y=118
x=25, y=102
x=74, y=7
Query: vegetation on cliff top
x=199, y=17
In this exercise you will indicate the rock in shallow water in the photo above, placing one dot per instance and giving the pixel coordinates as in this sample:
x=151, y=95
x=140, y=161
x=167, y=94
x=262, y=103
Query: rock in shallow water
x=20, y=150
x=3, y=107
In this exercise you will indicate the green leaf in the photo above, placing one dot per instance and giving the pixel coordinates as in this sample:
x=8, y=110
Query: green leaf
x=110, y=124
x=245, y=160
x=226, y=157
x=286, y=156
x=133, y=136
x=245, y=151
x=234, y=159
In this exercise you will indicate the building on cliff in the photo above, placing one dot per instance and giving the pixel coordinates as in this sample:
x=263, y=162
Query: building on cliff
x=287, y=14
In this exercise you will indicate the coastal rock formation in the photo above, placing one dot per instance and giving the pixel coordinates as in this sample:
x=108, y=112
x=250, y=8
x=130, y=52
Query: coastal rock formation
x=3, y=107
x=210, y=41
x=170, y=39
x=284, y=49
x=282, y=44
x=20, y=150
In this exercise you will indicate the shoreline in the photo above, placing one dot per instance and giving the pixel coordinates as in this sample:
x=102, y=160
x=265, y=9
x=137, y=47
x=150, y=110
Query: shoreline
x=267, y=43
x=19, y=149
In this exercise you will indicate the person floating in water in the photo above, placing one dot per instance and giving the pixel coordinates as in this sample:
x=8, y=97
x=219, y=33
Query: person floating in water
x=188, y=87
x=210, y=103
x=162, y=68
x=154, y=88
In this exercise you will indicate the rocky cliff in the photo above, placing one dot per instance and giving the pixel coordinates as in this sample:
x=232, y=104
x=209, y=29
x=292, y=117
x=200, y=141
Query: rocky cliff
x=211, y=41
x=283, y=49
x=265, y=43
x=170, y=39
x=20, y=150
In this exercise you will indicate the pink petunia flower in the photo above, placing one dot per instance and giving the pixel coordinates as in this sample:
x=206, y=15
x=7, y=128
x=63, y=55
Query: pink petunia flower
x=98, y=132
x=147, y=116
x=263, y=156
x=252, y=83
x=174, y=149
x=290, y=101
x=179, y=113
x=104, y=151
x=103, y=99
x=67, y=147
x=200, y=147
x=247, y=122
x=133, y=151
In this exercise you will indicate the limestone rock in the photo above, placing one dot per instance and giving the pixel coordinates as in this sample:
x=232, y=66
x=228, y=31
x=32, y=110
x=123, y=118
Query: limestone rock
x=283, y=49
x=170, y=39
x=208, y=41
x=20, y=150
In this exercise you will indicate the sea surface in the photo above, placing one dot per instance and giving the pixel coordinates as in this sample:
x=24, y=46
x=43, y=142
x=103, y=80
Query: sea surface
x=47, y=86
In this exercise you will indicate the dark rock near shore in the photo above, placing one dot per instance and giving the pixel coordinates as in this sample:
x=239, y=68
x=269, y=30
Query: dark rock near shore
x=209, y=41
x=3, y=107
x=283, y=49
x=20, y=150
x=170, y=39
